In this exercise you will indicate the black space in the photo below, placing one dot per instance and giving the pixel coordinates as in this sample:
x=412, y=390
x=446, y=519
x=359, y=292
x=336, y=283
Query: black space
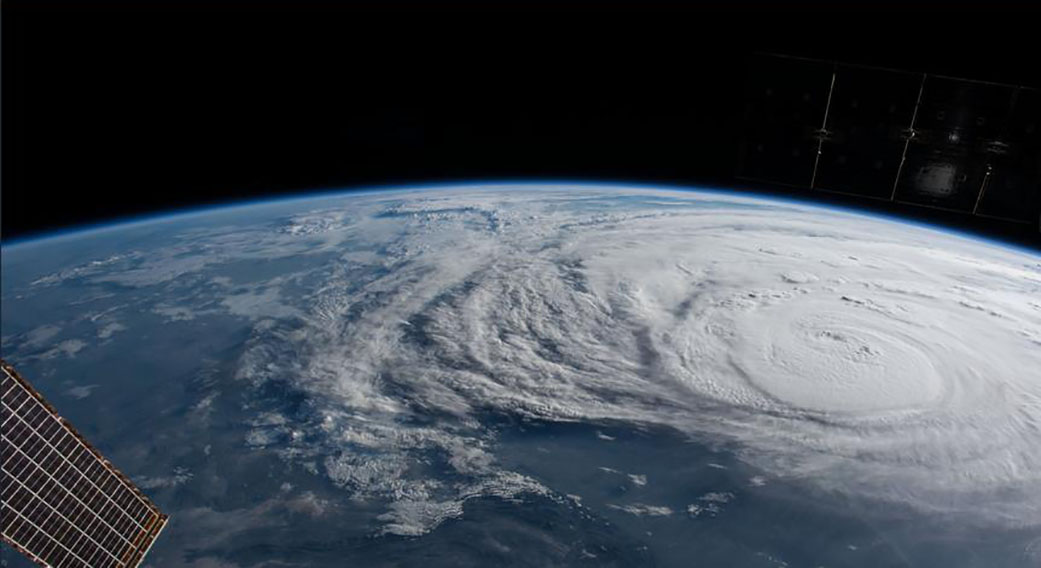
x=112, y=110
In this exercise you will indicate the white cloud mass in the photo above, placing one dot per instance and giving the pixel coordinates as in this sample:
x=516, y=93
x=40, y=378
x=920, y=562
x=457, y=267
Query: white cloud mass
x=846, y=351
x=855, y=354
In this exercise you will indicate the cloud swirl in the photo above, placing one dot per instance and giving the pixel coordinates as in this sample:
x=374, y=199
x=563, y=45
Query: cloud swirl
x=860, y=355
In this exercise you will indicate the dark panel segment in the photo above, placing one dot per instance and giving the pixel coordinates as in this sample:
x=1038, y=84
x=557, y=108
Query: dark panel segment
x=947, y=157
x=1012, y=186
x=785, y=102
x=870, y=111
x=919, y=139
x=63, y=503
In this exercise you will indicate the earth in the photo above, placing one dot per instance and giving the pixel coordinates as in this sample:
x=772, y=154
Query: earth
x=548, y=375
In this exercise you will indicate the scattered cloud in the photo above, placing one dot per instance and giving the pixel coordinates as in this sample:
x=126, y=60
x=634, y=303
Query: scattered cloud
x=67, y=348
x=81, y=392
x=109, y=329
x=642, y=510
x=178, y=477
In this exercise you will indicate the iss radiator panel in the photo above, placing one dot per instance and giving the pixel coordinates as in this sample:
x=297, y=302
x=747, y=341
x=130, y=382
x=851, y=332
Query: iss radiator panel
x=946, y=160
x=863, y=141
x=1013, y=164
x=63, y=503
x=785, y=105
x=915, y=138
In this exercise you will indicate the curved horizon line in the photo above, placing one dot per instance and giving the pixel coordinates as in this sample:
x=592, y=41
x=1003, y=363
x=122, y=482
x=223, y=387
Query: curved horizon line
x=173, y=214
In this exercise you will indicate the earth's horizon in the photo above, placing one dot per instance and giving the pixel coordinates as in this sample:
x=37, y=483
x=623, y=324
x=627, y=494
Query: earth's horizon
x=548, y=374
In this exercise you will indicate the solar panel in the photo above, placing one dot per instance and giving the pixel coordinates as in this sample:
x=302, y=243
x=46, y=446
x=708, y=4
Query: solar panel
x=63, y=503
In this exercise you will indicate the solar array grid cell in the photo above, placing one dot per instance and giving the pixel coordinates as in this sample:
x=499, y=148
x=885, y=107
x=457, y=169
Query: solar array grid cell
x=63, y=503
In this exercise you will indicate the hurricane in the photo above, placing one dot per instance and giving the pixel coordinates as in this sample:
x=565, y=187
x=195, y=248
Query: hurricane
x=591, y=373
x=847, y=352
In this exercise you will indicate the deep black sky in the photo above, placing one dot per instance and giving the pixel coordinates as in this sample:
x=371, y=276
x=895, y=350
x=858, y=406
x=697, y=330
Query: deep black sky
x=111, y=110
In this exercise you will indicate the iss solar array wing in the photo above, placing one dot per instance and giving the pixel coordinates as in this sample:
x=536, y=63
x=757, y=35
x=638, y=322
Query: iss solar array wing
x=913, y=138
x=63, y=503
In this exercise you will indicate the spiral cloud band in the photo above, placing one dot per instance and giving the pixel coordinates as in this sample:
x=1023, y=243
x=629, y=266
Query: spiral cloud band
x=860, y=355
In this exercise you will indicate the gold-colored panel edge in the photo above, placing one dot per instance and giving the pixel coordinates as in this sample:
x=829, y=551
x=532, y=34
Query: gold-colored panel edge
x=156, y=523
